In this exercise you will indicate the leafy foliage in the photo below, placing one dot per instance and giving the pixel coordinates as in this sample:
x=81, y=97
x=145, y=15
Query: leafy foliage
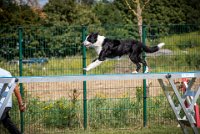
x=59, y=12
x=14, y=14
x=62, y=11
x=171, y=12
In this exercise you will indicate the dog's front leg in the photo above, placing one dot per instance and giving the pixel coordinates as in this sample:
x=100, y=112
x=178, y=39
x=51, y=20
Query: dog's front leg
x=93, y=65
x=94, y=59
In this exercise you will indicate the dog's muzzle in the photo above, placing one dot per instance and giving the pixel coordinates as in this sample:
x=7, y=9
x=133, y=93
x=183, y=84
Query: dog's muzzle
x=87, y=44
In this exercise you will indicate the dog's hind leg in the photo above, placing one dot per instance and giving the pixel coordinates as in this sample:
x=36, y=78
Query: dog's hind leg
x=93, y=65
x=134, y=58
x=144, y=63
x=138, y=66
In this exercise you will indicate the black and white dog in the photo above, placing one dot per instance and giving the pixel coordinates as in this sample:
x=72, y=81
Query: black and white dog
x=111, y=48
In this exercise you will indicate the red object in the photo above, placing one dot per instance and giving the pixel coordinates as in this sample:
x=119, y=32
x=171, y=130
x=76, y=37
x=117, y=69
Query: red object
x=196, y=107
x=184, y=85
x=197, y=117
x=186, y=104
x=184, y=80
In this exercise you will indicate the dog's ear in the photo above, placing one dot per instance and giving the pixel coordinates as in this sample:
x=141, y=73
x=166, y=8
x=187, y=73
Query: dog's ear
x=96, y=34
x=92, y=33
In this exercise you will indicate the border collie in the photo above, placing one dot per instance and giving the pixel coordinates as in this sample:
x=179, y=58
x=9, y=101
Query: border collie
x=112, y=48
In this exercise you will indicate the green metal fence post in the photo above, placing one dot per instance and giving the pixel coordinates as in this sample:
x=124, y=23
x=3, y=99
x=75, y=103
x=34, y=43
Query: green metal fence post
x=84, y=82
x=20, y=32
x=144, y=80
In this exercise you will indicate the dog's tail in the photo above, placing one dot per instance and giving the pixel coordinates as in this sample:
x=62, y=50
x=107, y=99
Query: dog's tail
x=152, y=49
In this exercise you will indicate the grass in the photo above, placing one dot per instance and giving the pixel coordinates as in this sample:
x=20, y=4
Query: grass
x=144, y=130
x=182, y=41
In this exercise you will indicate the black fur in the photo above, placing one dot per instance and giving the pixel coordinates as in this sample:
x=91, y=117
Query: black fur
x=112, y=48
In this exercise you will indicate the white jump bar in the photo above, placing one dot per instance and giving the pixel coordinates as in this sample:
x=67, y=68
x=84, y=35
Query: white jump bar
x=32, y=79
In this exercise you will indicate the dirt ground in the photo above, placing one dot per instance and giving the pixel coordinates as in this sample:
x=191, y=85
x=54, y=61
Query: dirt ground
x=104, y=89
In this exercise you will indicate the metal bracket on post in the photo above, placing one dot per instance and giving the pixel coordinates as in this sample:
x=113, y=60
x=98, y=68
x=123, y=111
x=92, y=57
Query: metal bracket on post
x=6, y=91
x=187, y=111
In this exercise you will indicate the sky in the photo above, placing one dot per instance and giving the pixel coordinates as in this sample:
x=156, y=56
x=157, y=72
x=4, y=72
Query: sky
x=43, y=2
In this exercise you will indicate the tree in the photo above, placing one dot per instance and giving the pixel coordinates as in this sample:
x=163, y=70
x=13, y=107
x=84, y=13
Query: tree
x=61, y=11
x=12, y=13
x=68, y=12
x=136, y=7
x=108, y=13
x=159, y=12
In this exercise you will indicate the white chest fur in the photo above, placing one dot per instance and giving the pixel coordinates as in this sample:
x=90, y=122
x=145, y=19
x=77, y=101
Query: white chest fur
x=98, y=49
x=98, y=45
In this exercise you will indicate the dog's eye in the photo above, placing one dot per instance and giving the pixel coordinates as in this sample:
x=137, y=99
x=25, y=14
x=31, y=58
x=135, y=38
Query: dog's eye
x=89, y=39
x=92, y=39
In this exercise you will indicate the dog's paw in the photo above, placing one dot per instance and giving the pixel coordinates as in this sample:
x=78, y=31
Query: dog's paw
x=146, y=70
x=85, y=69
x=134, y=72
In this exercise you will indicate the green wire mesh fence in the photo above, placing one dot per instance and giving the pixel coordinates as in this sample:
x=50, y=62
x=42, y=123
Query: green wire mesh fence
x=59, y=107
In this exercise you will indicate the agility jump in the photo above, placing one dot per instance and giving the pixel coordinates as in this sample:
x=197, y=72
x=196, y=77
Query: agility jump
x=189, y=110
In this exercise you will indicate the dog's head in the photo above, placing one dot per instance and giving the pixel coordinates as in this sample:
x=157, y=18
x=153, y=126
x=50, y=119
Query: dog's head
x=91, y=39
